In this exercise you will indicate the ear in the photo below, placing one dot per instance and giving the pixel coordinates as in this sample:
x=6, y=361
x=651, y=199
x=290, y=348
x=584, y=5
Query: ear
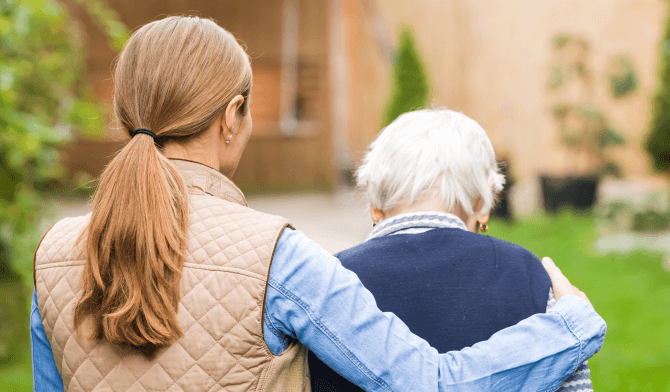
x=231, y=111
x=376, y=214
x=481, y=218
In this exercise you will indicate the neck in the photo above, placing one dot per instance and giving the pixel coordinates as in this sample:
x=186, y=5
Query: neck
x=433, y=204
x=424, y=205
x=202, y=149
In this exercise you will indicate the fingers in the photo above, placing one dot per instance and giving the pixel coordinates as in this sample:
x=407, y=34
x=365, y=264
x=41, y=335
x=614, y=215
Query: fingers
x=559, y=282
x=581, y=295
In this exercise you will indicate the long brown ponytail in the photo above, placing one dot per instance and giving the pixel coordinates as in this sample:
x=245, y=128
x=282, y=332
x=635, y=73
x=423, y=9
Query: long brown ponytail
x=174, y=77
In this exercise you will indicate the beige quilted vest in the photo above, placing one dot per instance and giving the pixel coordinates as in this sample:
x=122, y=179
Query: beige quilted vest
x=230, y=248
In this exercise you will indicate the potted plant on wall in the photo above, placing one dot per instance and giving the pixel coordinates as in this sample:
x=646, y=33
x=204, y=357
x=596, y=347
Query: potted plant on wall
x=584, y=129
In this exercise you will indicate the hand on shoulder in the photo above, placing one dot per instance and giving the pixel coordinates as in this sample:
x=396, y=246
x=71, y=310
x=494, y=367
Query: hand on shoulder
x=560, y=283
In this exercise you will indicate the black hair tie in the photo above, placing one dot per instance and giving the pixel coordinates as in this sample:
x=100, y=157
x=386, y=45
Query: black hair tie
x=144, y=131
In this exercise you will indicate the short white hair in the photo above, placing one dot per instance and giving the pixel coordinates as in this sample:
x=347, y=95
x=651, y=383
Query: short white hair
x=424, y=146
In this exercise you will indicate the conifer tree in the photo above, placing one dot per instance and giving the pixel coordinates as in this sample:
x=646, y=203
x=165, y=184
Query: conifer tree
x=410, y=84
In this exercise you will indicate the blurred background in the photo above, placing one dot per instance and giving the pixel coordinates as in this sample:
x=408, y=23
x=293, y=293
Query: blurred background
x=574, y=95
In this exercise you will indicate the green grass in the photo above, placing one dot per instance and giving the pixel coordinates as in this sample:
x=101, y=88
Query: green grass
x=16, y=378
x=15, y=365
x=631, y=292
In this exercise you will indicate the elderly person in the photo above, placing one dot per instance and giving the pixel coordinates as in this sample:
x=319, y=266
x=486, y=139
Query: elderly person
x=431, y=179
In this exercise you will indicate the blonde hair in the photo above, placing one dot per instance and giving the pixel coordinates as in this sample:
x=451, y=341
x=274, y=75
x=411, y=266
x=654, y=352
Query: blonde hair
x=174, y=77
x=431, y=148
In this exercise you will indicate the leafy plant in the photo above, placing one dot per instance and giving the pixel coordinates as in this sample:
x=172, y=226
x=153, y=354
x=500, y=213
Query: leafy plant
x=44, y=102
x=624, y=215
x=623, y=78
x=556, y=78
x=560, y=40
x=584, y=128
x=650, y=221
x=410, y=83
x=573, y=51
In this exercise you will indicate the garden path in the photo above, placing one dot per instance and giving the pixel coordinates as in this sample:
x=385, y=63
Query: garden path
x=336, y=221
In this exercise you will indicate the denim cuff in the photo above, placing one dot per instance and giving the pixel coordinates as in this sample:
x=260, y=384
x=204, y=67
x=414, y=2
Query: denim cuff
x=583, y=321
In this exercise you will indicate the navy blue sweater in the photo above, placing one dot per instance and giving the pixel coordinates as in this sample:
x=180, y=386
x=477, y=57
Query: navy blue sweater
x=451, y=287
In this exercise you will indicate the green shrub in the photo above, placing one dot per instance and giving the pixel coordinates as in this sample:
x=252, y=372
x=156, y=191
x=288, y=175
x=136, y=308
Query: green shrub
x=44, y=102
x=410, y=84
x=658, y=142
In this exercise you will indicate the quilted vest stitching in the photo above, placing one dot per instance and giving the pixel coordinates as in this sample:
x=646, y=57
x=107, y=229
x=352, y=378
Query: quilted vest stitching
x=230, y=249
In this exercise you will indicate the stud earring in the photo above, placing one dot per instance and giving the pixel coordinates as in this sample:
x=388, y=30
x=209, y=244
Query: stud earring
x=231, y=138
x=484, y=227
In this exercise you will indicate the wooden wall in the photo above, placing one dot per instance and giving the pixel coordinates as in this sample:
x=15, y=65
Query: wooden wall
x=492, y=60
x=272, y=160
x=371, y=32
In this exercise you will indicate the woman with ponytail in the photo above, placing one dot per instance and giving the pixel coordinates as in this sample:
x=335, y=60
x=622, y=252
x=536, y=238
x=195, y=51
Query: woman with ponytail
x=172, y=283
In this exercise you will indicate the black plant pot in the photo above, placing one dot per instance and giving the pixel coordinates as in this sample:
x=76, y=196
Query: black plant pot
x=578, y=192
x=503, y=208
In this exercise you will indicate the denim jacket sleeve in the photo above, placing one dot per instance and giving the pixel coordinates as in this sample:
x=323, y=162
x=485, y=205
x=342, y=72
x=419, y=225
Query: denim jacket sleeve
x=315, y=300
x=580, y=380
x=45, y=374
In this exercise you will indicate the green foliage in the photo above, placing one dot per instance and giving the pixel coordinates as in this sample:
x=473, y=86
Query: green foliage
x=564, y=71
x=410, y=83
x=44, y=101
x=650, y=213
x=658, y=142
x=560, y=40
x=585, y=128
x=108, y=21
x=556, y=78
x=631, y=292
x=594, y=134
x=624, y=79
x=650, y=221
x=610, y=137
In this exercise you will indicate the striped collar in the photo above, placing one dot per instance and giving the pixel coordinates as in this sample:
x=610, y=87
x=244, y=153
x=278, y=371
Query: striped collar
x=414, y=223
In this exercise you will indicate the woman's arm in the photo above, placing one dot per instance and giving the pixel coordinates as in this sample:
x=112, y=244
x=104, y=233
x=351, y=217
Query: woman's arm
x=312, y=298
x=580, y=380
x=45, y=374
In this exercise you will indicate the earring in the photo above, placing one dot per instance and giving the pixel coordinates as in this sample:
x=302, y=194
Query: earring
x=374, y=224
x=484, y=227
x=231, y=138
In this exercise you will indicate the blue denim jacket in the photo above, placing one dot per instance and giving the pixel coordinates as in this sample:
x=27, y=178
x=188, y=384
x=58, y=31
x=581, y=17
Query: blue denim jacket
x=315, y=300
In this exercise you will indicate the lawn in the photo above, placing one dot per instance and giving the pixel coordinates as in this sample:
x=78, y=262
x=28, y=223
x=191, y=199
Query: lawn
x=14, y=338
x=16, y=378
x=632, y=293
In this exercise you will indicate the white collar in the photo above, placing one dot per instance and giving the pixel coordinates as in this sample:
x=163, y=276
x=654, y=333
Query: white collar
x=401, y=223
